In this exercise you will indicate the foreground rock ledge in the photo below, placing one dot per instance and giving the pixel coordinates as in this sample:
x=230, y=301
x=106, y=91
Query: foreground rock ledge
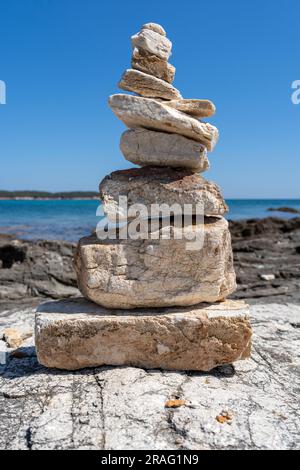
x=117, y=408
x=73, y=334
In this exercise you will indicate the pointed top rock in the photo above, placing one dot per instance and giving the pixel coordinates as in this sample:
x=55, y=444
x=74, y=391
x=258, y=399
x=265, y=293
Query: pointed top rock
x=157, y=28
x=153, y=43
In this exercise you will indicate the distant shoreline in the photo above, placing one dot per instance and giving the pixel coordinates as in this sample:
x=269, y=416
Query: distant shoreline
x=79, y=198
x=27, y=195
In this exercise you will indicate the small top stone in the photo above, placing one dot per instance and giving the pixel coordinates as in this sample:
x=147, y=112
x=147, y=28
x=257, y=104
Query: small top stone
x=155, y=27
x=153, y=43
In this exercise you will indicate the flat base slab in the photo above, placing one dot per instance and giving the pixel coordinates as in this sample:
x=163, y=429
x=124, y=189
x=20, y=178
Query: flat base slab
x=74, y=334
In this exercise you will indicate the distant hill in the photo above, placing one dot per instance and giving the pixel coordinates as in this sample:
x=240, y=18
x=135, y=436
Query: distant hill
x=48, y=195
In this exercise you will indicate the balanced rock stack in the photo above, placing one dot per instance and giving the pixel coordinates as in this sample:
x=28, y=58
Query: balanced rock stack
x=159, y=305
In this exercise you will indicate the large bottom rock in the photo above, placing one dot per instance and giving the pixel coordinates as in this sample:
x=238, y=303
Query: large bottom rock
x=73, y=334
x=159, y=271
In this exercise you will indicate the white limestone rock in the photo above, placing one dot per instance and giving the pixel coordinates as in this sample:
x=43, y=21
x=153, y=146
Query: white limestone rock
x=157, y=28
x=75, y=334
x=144, y=147
x=153, y=65
x=152, y=42
x=196, y=108
x=159, y=271
x=161, y=185
x=137, y=112
x=147, y=85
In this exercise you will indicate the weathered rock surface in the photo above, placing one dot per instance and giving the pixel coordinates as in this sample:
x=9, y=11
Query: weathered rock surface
x=197, y=108
x=153, y=65
x=144, y=147
x=137, y=112
x=161, y=185
x=124, y=407
x=152, y=42
x=147, y=85
x=3, y=353
x=157, y=28
x=32, y=269
x=14, y=337
x=260, y=246
x=16, y=330
x=158, y=272
x=73, y=334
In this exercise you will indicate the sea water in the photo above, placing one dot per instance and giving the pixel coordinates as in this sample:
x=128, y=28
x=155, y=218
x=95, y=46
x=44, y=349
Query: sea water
x=72, y=219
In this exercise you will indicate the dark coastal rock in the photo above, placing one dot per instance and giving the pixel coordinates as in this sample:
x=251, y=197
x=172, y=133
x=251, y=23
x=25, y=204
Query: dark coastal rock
x=36, y=269
x=264, y=247
x=289, y=210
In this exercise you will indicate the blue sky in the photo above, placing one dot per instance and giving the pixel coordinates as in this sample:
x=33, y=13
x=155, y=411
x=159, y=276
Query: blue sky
x=61, y=59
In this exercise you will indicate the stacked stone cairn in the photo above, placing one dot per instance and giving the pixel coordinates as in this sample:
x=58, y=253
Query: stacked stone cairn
x=158, y=304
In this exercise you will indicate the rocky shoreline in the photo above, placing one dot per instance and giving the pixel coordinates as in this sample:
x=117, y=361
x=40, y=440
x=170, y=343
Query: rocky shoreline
x=247, y=405
x=266, y=259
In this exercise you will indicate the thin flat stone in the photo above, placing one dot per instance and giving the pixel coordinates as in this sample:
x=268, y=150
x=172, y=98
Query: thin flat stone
x=137, y=112
x=152, y=42
x=147, y=85
x=74, y=334
x=144, y=147
x=197, y=108
x=161, y=185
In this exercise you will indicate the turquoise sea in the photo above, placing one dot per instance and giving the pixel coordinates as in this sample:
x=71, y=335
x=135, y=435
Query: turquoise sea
x=72, y=219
